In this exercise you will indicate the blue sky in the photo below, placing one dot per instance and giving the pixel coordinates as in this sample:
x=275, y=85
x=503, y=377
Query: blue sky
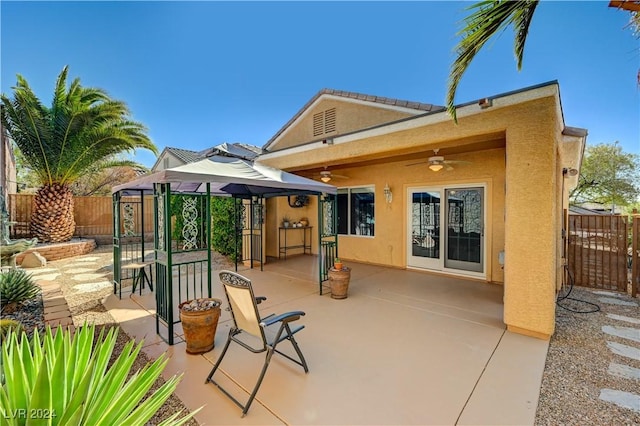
x=201, y=73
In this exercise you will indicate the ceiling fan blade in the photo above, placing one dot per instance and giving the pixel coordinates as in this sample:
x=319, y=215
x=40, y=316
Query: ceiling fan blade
x=457, y=162
x=333, y=175
x=415, y=164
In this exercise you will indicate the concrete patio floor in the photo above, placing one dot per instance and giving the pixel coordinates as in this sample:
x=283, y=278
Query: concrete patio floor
x=405, y=347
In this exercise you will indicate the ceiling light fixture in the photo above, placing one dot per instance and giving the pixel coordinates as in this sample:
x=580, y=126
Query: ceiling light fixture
x=325, y=176
x=436, y=167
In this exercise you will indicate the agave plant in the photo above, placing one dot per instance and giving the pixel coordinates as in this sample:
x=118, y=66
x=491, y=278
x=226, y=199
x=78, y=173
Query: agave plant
x=16, y=286
x=65, y=380
x=6, y=325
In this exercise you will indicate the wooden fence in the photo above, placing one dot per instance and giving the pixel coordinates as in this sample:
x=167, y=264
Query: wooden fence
x=598, y=251
x=93, y=215
x=635, y=255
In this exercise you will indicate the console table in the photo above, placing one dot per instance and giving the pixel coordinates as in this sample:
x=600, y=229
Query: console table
x=283, y=246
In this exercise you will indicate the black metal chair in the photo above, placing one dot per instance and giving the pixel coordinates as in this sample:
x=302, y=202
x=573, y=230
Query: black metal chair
x=246, y=320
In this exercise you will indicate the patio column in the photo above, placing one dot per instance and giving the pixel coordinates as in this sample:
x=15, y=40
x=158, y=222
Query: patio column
x=532, y=220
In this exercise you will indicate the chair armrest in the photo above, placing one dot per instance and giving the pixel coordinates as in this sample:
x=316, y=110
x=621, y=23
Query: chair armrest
x=260, y=299
x=286, y=317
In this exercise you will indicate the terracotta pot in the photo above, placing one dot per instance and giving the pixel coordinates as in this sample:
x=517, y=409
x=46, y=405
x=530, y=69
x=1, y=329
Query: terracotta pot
x=199, y=327
x=337, y=265
x=339, y=282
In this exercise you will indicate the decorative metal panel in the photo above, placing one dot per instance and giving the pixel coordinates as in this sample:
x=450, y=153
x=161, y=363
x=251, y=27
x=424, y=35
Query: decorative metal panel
x=161, y=230
x=129, y=220
x=190, y=227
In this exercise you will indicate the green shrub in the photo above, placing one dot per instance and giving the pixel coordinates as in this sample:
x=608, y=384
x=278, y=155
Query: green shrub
x=66, y=380
x=223, y=227
x=16, y=286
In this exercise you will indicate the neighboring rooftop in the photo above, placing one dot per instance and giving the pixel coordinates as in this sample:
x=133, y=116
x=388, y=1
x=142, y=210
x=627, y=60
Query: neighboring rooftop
x=185, y=155
x=236, y=149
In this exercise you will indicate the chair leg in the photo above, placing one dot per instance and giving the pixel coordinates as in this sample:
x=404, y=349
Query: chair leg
x=257, y=386
x=150, y=277
x=297, y=348
x=217, y=364
x=136, y=278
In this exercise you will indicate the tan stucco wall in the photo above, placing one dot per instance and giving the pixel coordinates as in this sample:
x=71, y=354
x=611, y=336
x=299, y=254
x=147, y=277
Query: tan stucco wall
x=349, y=117
x=523, y=192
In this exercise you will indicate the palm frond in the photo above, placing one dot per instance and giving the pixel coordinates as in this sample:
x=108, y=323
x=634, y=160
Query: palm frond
x=82, y=127
x=488, y=18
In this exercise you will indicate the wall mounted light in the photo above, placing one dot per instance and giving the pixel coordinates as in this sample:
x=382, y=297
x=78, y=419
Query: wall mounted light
x=485, y=103
x=387, y=193
x=569, y=172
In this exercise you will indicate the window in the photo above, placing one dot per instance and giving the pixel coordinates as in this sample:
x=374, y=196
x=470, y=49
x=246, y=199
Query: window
x=356, y=211
x=324, y=122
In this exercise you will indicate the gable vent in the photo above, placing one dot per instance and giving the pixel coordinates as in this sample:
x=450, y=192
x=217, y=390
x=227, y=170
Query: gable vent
x=324, y=122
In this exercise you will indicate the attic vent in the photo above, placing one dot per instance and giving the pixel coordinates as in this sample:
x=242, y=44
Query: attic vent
x=324, y=122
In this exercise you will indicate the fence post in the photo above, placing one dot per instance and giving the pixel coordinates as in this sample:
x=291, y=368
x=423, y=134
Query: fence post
x=635, y=255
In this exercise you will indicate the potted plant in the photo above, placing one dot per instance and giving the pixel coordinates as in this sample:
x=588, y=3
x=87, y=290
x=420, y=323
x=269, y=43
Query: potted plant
x=339, y=277
x=337, y=264
x=199, y=321
x=286, y=221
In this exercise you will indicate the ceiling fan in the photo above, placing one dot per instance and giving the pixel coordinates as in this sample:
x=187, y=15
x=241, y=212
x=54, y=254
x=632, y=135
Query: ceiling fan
x=437, y=162
x=326, y=175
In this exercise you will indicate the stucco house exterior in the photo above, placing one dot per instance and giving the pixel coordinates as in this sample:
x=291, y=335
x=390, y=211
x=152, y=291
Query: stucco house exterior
x=493, y=212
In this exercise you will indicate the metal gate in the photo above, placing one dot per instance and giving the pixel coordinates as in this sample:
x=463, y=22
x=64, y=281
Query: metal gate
x=182, y=252
x=598, y=251
x=128, y=235
x=328, y=235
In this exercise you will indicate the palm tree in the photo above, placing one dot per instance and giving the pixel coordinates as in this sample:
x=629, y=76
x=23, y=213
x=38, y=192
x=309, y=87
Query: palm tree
x=489, y=17
x=83, y=127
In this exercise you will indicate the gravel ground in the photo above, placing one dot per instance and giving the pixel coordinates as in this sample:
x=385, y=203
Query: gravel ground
x=578, y=361
x=577, y=365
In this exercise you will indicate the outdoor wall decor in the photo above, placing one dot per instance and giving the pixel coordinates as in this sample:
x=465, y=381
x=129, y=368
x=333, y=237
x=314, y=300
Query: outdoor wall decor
x=298, y=201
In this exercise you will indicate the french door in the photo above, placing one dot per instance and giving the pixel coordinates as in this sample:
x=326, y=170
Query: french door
x=446, y=229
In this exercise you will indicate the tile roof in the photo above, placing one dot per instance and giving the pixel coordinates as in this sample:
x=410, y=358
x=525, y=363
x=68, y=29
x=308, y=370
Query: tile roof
x=236, y=149
x=418, y=106
x=185, y=155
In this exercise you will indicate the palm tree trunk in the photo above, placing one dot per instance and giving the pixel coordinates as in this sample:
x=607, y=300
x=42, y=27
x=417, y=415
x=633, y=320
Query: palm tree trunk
x=52, y=218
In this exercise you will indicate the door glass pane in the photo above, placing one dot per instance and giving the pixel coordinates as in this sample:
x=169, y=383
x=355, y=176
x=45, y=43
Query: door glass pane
x=464, y=228
x=425, y=224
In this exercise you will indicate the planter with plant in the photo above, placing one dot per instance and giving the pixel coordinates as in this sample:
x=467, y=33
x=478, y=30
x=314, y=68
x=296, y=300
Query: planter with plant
x=16, y=286
x=339, y=277
x=199, y=319
x=286, y=221
x=68, y=379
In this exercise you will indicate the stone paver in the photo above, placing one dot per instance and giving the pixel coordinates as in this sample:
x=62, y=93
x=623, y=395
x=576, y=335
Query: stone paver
x=56, y=309
x=613, y=301
x=621, y=398
x=625, y=371
x=629, y=333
